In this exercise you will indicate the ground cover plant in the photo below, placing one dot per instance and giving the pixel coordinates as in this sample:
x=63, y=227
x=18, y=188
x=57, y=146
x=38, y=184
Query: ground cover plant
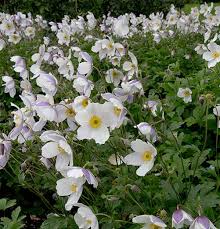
x=110, y=122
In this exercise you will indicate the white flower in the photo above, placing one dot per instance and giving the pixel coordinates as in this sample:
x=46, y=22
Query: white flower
x=131, y=67
x=153, y=106
x=121, y=26
x=26, y=86
x=91, y=21
x=143, y=156
x=105, y=47
x=25, y=134
x=66, y=110
x=5, y=149
x=46, y=40
x=185, y=93
x=38, y=57
x=94, y=122
x=81, y=102
x=63, y=37
x=8, y=27
x=51, y=135
x=202, y=222
x=216, y=111
x=115, y=61
x=47, y=82
x=85, y=218
x=66, y=67
x=85, y=67
x=20, y=66
x=30, y=32
x=81, y=172
x=205, y=8
x=148, y=131
x=200, y=49
x=14, y=38
x=128, y=90
x=118, y=112
x=149, y=221
x=72, y=187
x=114, y=76
x=119, y=50
x=45, y=110
x=9, y=85
x=61, y=150
x=19, y=121
x=213, y=55
x=83, y=86
x=180, y=217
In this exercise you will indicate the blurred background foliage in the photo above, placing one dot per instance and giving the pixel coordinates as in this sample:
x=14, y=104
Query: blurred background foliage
x=55, y=9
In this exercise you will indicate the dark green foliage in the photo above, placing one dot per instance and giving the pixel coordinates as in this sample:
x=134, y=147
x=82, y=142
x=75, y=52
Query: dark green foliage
x=55, y=9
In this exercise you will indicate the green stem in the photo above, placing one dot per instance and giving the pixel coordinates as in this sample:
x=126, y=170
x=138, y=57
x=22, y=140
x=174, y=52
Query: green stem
x=216, y=147
x=179, y=151
x=135, y=201
x=167, y=172
x=204, y=145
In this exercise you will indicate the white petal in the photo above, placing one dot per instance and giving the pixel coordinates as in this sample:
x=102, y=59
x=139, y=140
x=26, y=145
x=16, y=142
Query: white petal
x=50, y=150
x=127, y=66
x=133, y=159
x=73, y=199
x=207, y=56
x=139, y=146
x=83, y=133
x=143, y=169
x=141, y=219
x=84, y=68
x=62, y=161
x=63, y=186
x=100, y=135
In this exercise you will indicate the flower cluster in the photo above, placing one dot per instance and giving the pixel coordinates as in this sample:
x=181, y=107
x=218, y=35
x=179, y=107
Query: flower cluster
x=68, y=99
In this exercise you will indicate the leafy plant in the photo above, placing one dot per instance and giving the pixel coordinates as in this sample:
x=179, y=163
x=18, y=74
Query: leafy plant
x=16, y=220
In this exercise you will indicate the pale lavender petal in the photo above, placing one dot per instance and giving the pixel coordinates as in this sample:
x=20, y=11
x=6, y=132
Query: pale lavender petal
x=204, y=221
x=42, y=104
x=177, y=216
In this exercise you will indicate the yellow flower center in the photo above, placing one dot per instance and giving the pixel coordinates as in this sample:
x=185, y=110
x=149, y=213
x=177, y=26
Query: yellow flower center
x=89, y=221
x=186, y=93
x=95, y=121
x=114, y=74
x=73, y=188
x=117, y=111
x=61, y=150
x=70, y=112
x=147, y=156
x=120, y=50
x=8, y=26
x=153, y=226
x=85, y=103
x=66, y=37
x=110, y=45
x=133, y=65
x=215, y=55
x=15, y=37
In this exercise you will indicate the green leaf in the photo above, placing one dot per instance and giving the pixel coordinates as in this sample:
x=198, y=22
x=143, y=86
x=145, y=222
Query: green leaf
x=59, y=222
x=15, y=213
x=5, y=204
